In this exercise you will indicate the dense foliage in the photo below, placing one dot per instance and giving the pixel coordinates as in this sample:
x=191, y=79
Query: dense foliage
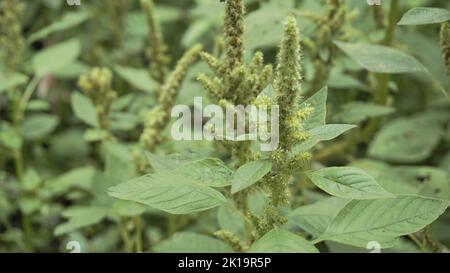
x=87, y=158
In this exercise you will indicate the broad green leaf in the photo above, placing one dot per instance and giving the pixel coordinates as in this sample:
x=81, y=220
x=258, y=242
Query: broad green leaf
x=347, y=182
x=38, y=126
x=123, y=121
x=166, y=162
x=29, y=204
x=229, y=218
x=424, y=16
x=9, y=81
x=187, y=242
x=356, y=112
x=9, y=137
x=124, y=208
x=38, y=105
x=422, y=180
x=69, y=20
x=249, y=174
x=92, y=135
x=169, y=192
x=84, y=109
x=406, y=140
x=210, y=171
x=381, y=59
x=119, y=163
x=80, y=217
x=122, y=102
x=30, y=181
x=264, y=27
x=138, y=78
x=383, y=220
x=282, y=241
x=269, y=92
x=257, y=202
x=316, y=218
x=80, y=178
x=323, y=133
x=56, y=57
x=319, y=102
x=72, y=71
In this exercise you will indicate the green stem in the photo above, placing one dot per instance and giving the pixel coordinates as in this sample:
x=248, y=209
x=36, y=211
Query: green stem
x=381, y=90
x=23, y=103
x=27, y=230
x=418, y=243
x=138, y=233
x=125, y=236
x=393, y=14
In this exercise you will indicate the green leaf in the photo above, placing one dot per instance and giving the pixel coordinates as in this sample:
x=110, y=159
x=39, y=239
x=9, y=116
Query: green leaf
x=80, y=217
x=316, y=218
x=29, y=204
x=169, y=192
x=356, y=112
x=323, y=133
x=381, y=59
x=123, y=121
x=38, y=126
x=424, y=16
x=56, y=57
x=319, y=102
x=123, y=208
x=38, y=105
x=229, y=218
x=187, y=242
x=69, y=20
x=383, y=220
x=138, y=78
x=80, y=178
x=347, y=182
x=407, y=140
x=72, y=71
x=9, y=137
x=9, y=81
x=282, y=241
x=210, y=171
x=422, y=180
x=166, y=162
x=119, y=163
x=249, y=174
x=84, y=109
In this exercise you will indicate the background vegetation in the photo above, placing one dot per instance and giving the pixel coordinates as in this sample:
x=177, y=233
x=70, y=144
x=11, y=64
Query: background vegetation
x=85, y=147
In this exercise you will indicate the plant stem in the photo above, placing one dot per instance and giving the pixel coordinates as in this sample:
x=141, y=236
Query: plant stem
x=27, y=230
x=29, y=90
x=381, y=88
x=138, y=233
x=125, y=236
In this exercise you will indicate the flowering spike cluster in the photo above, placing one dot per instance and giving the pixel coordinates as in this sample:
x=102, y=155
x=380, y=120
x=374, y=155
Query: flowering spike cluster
x=234, y=31
x=287, y=86
x=157, y=50
x=231, y=239
x=234, y=82
x=333, y=24
x=159, y=116
x=116, y=11
x=11, y=40
x=445, y=44
x=97, y=86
